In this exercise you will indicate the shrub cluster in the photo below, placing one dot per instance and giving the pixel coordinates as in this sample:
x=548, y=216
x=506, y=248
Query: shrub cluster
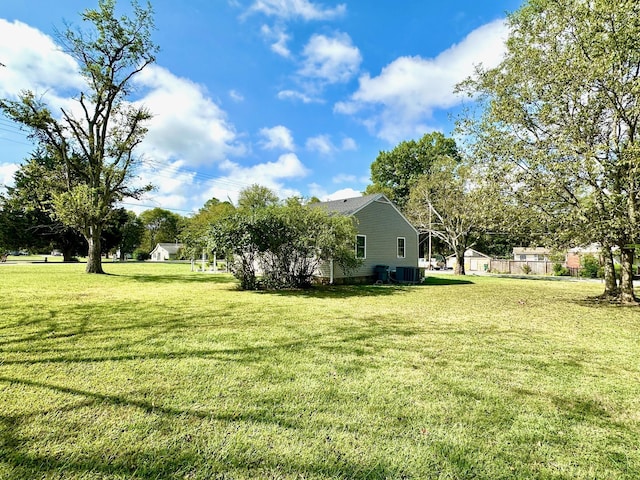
x=589, y=266
x=282, y=246
x=560, y=270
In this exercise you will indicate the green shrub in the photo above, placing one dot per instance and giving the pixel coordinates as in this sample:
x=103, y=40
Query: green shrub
x=526, y=269
x=560, y=270
x=141, y=255
x=589, y=266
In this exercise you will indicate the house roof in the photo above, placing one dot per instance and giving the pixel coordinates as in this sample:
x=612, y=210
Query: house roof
x=471, y=253
x=171, y=248
x=531, y=251
x=350, y=206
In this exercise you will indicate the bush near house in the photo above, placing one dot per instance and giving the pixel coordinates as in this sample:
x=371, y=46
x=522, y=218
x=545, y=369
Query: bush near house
x=560, y=270
x=589, y=266
x=281, y=246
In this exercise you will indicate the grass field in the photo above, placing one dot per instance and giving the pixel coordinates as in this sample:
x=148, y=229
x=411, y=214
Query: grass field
x=157, y=372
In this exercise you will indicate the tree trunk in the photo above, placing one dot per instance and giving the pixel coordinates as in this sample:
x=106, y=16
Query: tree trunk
x=94, y=258
x=626, y=282
x=611, y=289
x=459, y=270
x=67, y=253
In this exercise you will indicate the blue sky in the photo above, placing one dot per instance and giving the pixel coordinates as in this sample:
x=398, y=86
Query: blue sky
x=296, y=95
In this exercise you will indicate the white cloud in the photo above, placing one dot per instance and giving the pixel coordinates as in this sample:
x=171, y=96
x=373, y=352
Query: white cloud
x=300, y=96
x=32, y=61
x=279, y=38
x=344, y=178
x=317, y=191
x=321, y=144
x=294, y=9
x=186, y=123
x=331, y=59
x=401, y=100
x=270, y=174
x=349, y=144
x=236, y=96
x=324, y=145
x=7, y=171
x=278, y=137
x=174, y=186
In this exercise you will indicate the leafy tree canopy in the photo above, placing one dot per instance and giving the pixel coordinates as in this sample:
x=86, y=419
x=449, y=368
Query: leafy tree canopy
x=161, y=226
x=394, y=173
x=256, y=197
x=560, y=122
x=93, y=145
x=446, y=204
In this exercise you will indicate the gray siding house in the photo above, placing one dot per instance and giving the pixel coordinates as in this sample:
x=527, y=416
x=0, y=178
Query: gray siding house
x=385, y=237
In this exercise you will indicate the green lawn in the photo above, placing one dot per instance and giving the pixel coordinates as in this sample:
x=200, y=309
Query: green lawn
x=157, y=372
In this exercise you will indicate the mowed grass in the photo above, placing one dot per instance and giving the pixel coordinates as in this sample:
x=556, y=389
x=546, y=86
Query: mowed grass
x=157, y=372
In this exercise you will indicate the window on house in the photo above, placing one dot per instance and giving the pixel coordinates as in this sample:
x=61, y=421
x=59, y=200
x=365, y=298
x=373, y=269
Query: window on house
x=541, y=258
x=401, y=243
x=361, y=246
x=523, y=258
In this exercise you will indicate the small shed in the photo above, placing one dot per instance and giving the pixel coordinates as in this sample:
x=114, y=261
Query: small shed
x=474, y=261
x=165, y=251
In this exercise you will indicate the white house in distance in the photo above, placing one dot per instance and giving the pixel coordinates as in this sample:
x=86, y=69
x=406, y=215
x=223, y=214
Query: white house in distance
x=165, y=251
x=474, y=261
x=385, y=238
x=531, y=254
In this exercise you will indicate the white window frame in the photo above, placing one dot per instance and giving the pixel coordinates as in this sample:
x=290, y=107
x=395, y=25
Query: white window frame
x=404, y=247
x=364, y=247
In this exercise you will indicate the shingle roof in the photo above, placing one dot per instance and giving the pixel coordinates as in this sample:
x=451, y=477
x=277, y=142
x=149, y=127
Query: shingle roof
x=348, y=206
x=171, y=248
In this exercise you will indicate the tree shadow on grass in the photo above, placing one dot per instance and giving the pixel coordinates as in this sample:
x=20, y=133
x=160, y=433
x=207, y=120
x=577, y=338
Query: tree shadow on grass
x=602, y=301
x=180, y=455
x=340, y=291
x=177, y=454
x=190, y=278
x=438, y=281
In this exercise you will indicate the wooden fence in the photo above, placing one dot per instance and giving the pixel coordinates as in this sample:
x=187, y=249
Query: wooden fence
x=519, y=267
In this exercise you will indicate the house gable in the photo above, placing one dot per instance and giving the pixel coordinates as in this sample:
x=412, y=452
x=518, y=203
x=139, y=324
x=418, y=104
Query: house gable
x=380, y=221
x=165, y=251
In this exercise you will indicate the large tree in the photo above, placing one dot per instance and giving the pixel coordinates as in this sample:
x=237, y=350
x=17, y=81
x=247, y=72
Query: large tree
x=448, y=205
x=395, y=172
x=195, y=234
x=94, y=143
x=27, y=214
x=257, y=196
x=160, y=226
x=562, y=118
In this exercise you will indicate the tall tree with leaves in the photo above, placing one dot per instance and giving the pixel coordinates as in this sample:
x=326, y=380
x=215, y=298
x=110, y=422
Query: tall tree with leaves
x=446, y=204
x=395, y=172
x=28, y=208
x=160, y=226
x=94, y=144
x=256, y=197
x=195, y=234
x=562, y=117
